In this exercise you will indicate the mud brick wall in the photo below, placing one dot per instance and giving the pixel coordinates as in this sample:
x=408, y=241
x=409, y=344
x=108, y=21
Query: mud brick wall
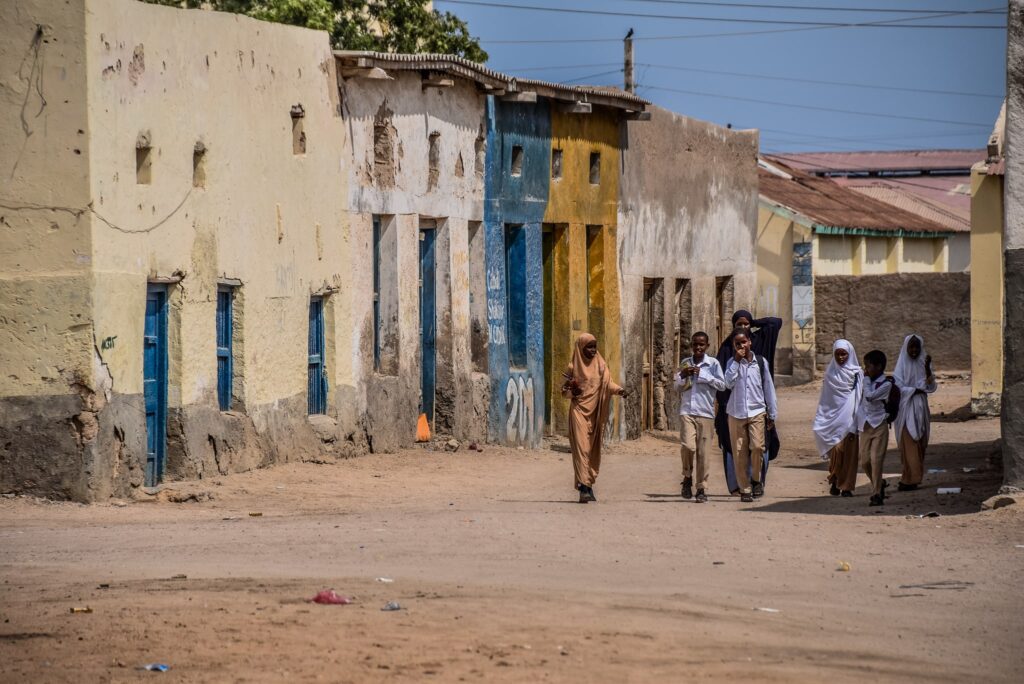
x=878, y=311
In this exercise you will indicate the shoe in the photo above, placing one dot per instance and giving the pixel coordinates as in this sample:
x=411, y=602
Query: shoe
x=701, y=496
x=833, y=490
x=734, y=492
x=847, y=492
x=687, y=488
x=746, y=498
x=905, y=487
x=876, y=500
x=583, y=497
x=589, y=491
x=758, y=490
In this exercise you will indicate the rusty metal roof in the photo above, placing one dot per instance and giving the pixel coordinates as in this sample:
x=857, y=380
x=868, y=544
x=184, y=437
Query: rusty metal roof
x=490, y=80
x=901, y=161
x=913, y=203
x=830, y=207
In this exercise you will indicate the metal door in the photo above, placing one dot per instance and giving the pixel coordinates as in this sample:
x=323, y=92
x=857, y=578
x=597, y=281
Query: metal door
x=428, y=320
x=154, y=381
x=224, y=365
x=316, y=393
x=647, y=398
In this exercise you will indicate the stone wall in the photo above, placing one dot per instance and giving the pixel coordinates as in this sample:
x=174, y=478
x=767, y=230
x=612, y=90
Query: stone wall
x=877, y=312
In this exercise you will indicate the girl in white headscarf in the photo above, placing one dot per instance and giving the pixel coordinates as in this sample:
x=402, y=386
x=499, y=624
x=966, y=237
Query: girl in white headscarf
x=914, y=377
x=835, y=423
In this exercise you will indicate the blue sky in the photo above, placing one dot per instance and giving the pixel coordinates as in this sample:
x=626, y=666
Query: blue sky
x=967, y=62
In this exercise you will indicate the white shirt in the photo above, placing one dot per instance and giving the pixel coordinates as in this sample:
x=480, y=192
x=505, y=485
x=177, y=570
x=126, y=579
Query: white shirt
x=748, y=399
x=872, y=403
x=699, y=400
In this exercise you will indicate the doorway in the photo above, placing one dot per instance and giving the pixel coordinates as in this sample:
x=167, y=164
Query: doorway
x=647, y=384
x=428, y=318
x=316, y=381
x=154, y=382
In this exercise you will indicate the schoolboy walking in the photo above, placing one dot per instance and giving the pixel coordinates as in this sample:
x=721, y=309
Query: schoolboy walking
x=698, y=380
x=873, y=422
x=752, y=409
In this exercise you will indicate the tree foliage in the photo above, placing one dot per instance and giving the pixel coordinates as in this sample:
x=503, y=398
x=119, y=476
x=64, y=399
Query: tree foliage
x=381, y=25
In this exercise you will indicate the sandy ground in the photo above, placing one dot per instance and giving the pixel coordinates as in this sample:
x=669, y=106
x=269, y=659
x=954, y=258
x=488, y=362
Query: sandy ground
x=502, y=577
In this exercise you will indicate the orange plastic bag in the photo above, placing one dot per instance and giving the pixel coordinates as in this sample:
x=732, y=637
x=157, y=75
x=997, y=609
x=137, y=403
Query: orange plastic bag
x=423, y=429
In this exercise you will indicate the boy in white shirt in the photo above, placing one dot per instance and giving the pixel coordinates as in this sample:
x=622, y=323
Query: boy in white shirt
x=698, y=380
x=752, y=409
x=873, y=423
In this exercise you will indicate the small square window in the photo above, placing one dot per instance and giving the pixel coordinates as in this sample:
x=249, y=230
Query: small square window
x=199, y=165
x=556, y=164
x=517, y=160
x=595, y=168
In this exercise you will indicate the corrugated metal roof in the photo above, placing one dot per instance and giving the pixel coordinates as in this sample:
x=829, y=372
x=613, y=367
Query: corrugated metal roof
x=490, y=79
x=952, y=192
x=885, y=161
x=827, y=204
x=914, y=204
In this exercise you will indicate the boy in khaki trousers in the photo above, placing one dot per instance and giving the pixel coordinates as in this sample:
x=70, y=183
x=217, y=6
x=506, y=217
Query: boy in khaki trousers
x=873, y=423
x=699, y=379
x=752, y=409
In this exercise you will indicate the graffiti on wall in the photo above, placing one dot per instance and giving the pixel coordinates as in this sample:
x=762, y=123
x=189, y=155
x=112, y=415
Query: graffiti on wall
x=520, y=407
x=803, y=297
x=496, y=307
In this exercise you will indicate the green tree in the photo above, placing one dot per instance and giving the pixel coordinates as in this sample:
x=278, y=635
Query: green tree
x=381, y=25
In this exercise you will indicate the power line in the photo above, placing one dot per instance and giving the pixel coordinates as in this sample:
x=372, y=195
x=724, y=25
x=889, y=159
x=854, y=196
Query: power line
x=697, y=36
x=768, y=78
x=729, y=20
x=868, y=138
x=804, y=8
x=597, y=75
x=816, y=108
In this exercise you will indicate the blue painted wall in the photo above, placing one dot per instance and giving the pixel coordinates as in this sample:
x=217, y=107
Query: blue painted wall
x=516, y=413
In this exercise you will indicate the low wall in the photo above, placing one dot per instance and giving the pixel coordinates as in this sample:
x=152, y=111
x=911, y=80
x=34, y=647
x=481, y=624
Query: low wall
x=877, y=312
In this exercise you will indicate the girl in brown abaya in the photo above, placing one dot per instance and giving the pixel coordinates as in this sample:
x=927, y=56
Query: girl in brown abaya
x=589, y=382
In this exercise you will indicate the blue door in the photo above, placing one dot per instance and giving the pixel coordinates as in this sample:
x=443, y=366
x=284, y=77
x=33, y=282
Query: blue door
x=154, y=381
x=428, y=321
x=224, y=367
x=317, y=385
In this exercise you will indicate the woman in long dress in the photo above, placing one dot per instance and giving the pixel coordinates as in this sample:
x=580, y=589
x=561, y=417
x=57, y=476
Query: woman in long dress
x=835, y=423
x=914, y=377
x=764, y=335
x=589, y=382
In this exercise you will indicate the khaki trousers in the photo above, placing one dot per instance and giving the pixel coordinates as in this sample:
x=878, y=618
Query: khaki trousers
x=747, y=436
x=842, y=464
x=873, y=443
x=695, y=433
x=912, y=455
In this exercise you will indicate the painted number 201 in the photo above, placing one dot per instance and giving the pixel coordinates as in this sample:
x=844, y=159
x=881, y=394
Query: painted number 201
x=519, y=403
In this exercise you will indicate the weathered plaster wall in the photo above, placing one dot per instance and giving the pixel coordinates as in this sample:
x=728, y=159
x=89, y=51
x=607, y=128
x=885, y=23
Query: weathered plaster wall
x=782, y=293
x=51, y=385
x=399, y=177
x=877, y=312
x=587, y=297
x=252, y=221
x=1013, y=245
x=986, y=291
x=517, y=398
x=688, y=210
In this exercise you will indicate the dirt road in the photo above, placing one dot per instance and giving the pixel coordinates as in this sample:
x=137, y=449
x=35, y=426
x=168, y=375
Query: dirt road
x=503, y=578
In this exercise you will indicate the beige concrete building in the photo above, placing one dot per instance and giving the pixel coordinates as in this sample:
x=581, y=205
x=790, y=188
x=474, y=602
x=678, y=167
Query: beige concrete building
x=987, y=214
x=688, y=205
x=834, y=263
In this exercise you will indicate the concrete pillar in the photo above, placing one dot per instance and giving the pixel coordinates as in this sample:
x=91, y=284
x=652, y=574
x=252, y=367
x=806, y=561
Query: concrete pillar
x=1013, y=254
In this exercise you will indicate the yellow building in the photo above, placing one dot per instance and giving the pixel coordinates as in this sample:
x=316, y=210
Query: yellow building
x=987, y=275
x=833, y=263
x=581, y=280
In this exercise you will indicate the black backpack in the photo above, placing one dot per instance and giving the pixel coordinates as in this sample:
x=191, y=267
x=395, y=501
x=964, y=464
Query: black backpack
x=892, y=402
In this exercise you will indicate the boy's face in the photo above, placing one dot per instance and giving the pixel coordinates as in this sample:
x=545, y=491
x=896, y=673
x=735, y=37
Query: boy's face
x=914, y=348
x=873, y=369
x=699, y=344
x=841, y=356
x=741, y=343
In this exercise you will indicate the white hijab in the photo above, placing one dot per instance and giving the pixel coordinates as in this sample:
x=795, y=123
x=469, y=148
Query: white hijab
x=910, y=375
x=840, y=395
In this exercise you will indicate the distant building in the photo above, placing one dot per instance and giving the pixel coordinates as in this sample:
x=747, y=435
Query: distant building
x=935, y=184
x=835, y=263
x=987, y=291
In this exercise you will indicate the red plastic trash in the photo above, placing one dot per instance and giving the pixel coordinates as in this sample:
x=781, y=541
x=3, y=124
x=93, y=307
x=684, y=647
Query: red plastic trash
x=328, y=597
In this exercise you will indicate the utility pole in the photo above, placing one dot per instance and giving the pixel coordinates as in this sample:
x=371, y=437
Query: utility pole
x=627, y=66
